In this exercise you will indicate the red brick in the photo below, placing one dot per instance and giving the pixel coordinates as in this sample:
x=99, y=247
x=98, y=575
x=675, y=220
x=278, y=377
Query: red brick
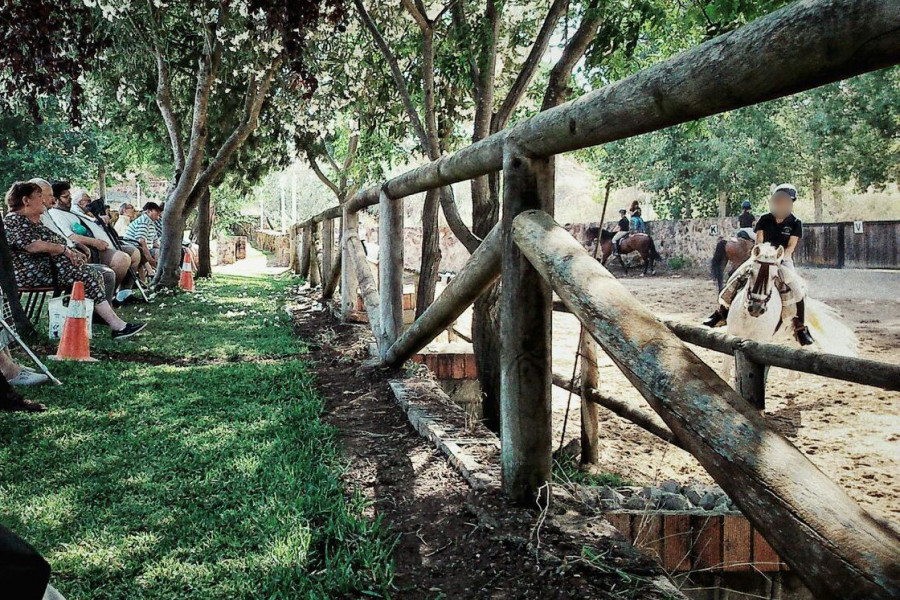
x=707, y=542
x=471, y=367
x=459, y=366
x=736, y=535
x=764, y=557
x=648, y=532
x=677, y=543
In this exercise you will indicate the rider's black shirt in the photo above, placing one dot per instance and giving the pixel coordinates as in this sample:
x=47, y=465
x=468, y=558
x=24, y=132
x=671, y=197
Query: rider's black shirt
x=778, y=234
x=746, y=219
x=623, y=224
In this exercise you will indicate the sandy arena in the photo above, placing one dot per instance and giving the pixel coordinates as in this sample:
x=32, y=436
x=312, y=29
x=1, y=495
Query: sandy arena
x=850, y=431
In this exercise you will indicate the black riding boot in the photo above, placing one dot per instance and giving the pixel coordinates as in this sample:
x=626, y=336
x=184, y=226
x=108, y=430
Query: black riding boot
x=718, y=318
x=800, y=328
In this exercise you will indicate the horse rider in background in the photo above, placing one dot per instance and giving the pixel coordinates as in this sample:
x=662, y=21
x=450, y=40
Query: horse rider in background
x=779, y=227
x=622, y=229
x=746, y=221
x=637, y=222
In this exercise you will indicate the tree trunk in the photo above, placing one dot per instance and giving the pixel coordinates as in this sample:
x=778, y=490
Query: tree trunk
x=723, y=203
x=204, y=227
x=817, y=195
x=10, y=288
x=431, y=252
x=168, y=269
x=101, y=180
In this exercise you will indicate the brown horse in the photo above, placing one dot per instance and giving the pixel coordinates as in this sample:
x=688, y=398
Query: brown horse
x=735, y=251
x=635, y=242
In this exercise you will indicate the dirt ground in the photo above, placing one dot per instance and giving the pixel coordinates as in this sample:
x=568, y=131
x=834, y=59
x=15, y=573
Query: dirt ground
x=452, y=541
x=850, y=431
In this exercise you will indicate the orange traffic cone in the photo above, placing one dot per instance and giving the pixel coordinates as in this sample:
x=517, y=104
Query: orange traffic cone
x=187, y=274
x=74, y=343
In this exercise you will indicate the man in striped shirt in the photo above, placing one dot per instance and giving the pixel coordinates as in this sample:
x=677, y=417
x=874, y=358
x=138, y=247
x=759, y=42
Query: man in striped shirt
x=142, y=232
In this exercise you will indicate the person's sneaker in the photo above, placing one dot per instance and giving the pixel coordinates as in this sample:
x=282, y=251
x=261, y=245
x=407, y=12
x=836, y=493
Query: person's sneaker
x=13, y=402
x=130, y=330
x=802, y=333
x=29, y=378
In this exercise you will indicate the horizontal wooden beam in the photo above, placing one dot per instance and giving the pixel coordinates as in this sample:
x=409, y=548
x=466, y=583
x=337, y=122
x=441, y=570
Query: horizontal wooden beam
x=629, y=411
x=837, y=548
x=804, y=45
x=479, y=272
x=856, y=370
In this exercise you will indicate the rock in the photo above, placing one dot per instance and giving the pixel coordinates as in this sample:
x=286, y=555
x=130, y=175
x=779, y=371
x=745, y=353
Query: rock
x=671, y=486
x=670, y=501
x=635, y=503
x=609, y=505
x=708, y=501
x=651, y=493
x=609, y=493
x=693, y=493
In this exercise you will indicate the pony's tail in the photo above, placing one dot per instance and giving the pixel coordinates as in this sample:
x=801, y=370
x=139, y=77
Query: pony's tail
x=717, y=268
x=654, y=255
x=831, y=333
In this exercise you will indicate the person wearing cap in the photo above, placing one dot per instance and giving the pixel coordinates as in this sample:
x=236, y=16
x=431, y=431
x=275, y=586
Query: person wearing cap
x=621, y=230
x=746, y=221
x=778, y=227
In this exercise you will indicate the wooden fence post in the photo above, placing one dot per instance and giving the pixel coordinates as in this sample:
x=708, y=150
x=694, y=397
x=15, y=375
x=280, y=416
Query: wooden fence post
x=838, y=549
x=349, y=224
x=390, y=269
x=751, y=379
x=315, y=277
x=304, y=252
x=327, y=249
x=590, y=421
x=525, y=328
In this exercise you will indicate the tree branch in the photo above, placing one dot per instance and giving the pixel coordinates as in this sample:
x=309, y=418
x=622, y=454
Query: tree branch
x=578, y=44
x=321, y=175
x=530, y=66
x=396, y=73
x=164, y=102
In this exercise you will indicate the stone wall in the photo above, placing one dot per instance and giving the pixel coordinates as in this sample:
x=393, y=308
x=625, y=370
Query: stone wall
x=276, y=243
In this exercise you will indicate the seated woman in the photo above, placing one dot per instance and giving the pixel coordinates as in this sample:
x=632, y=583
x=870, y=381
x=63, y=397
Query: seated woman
x=41, y=257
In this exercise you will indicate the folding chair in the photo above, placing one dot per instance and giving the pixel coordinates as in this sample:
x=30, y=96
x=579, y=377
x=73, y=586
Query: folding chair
x=8, y=333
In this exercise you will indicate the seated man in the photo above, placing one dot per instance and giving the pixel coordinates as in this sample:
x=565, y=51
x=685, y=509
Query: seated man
x=779, y=228
x=127, y=214
x=142, y=233
x=81, y=199
x=621, y=231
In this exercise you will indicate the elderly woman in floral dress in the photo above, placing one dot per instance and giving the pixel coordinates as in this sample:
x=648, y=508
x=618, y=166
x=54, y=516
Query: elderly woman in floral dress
x=41, y=257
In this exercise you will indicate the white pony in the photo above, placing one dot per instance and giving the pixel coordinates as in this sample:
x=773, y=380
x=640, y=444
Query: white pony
x=756, y=312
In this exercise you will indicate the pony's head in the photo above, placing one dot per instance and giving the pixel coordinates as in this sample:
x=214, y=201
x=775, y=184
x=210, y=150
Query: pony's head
x=766, y=260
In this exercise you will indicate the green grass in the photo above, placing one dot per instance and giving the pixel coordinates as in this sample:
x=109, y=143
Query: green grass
x=212, y=479
x=566, y=470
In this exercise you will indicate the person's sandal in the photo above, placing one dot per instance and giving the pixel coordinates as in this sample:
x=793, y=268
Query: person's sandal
x=13, y=402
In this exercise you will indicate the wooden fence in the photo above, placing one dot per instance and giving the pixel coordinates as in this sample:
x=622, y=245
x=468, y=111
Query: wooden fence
x=858, y=245
x=838, y=549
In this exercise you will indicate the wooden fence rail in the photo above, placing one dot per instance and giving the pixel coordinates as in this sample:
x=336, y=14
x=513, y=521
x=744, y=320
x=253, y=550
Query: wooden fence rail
x=837, y=548
x=806, y=517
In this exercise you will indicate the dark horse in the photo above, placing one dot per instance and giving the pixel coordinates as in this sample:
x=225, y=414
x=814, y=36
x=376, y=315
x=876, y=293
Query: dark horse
x=736, y=251
x=635, y=242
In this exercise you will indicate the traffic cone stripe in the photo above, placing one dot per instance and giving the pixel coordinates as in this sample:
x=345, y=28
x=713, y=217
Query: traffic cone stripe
x=74, y=343
x=186, y=282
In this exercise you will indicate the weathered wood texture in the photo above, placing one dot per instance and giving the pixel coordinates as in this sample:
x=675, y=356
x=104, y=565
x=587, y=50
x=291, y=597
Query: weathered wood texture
x=315, y=275
x=390, y=270
x=349, y=284
x=751, y=379
x=840, y=245
x=648, y=421
x=857, y=370
x=327, y=249
x=590, y=422
x=332, y=282
x=802, y=46
x=838, y=549
x=526, y=312
x=366, y=282
x=303, y=250
x=480, y=271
